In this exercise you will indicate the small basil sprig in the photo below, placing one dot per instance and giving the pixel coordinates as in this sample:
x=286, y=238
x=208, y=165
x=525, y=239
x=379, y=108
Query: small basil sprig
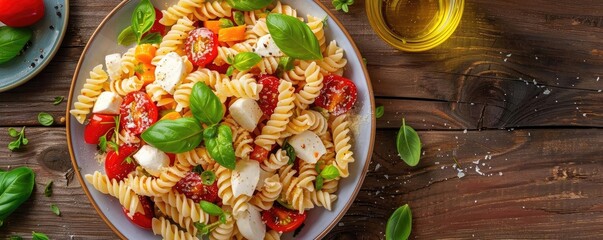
x=205, y=105
x=142, y=21
x=174, y=136
x=248, y=5
x=343, y=5
x=399, y=224
x=328, y=173
x=218, y=140
x=408, y=144
x=12, y=40
x=15, y=188
x=293, y=37
x=213, y=210
x=21, y=139
x=243, y=62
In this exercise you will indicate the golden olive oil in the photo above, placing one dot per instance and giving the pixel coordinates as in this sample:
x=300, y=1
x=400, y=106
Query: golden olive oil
x=413, y=18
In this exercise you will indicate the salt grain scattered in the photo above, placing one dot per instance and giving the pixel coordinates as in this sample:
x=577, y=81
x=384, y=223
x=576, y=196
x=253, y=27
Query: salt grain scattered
x=377, y=166
x=546, y=92
x=500, y=173
x=386, y=176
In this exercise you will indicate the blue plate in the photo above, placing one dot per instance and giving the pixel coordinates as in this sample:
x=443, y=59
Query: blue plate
x=47, y=37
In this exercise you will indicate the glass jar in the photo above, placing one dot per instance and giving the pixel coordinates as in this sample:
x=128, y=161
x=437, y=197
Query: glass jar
x=414, y=25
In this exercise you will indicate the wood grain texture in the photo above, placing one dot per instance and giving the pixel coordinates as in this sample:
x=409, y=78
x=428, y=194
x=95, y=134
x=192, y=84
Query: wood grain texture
x=517, y=87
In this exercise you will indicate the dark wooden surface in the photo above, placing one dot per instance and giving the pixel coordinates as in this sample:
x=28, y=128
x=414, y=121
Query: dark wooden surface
x=515, y=91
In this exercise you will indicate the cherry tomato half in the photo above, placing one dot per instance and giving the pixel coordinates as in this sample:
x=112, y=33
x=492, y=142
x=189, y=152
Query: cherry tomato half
x=158, y=27
x=192, y=187
x=116, y=165
x=259, y=154
x=98, y=126
x=268, y=94
x=338, y=95
x=143, y=220
x=221, y=69
x=21, y=13
x=281, y=219
x=201, y=46
x=138, y=112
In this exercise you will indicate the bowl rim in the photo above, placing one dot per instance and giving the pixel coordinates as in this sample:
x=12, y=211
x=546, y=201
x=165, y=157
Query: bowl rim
x=362, y=174
x=55, y=49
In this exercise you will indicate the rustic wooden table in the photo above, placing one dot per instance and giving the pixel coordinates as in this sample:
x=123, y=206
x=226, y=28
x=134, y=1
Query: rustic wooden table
x=514, y=96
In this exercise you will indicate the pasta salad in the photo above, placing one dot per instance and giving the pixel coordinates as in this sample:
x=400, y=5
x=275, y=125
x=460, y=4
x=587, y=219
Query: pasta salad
x=223, y=118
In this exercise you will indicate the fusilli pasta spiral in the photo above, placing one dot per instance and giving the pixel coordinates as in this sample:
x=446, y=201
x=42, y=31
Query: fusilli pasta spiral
x=173, y=41
x=182, y=9
x=279, y=119
x=124, y=86
x=213, y=9
x=243, y=86
x=89, y=93
x=163, y=227
x=172, y=212
x=341, y=139
x=268, y=194
x=186, y=207
x=120, y=190
x=314, y=83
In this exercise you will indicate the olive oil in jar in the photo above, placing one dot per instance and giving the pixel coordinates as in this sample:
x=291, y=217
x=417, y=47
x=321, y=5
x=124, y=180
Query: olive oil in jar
x=411, y=19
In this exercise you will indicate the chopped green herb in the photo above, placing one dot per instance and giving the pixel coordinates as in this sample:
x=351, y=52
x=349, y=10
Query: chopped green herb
x=226, y=23
x=379, y=111
x=55, y=209
x=343, y=5
x=39, y=236
x=58, y=100
x=48, y=189
x=45, y=119
x=12, y=132
x=15, y=237
x=208, y=177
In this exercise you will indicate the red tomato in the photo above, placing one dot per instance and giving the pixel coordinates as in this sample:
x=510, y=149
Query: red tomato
x=259, y=154
x=143, y=220
x=201, y=46
x=98, y=126
x=221, y=69
x=116, y=166
x=21, y=13
x=138, y=112
x=172, y=157
x=269, y=94
x=338, y=95
x=192, y=187
x=158, y=27
x=283, y=220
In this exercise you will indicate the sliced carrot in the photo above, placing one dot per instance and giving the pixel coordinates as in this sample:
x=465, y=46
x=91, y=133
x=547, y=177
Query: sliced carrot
x=146, y=72
x=145, y=53
x=232, y=34
x=212, y=25
x=171, y=116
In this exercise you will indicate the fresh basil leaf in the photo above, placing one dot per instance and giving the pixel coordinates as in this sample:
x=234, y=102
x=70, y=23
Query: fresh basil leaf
x=210, y=208
x=379, y=111
x=15, y=237
x=239, y=18
x=205, y=105
x=399, y=224
x=15, y=188
x=143, y=18
x=39, y=236
x=58, y=100
x=220, y=148
x=248, y=5
x=174, y=136
x=210, y=132
x=408, y=145
x=48, y=189
x=55, y=209
x=208, y=177
x=290, y=152
x=246, y=60
x=102, y=143
x=12, y=132
x=12, y=40
x=151, y=38
x=126, y=37
x=45, y=119
x=223, y=218
x=226, y=23
x=286, y=63
x=293, y=37
x=319, y=182
x=330, y=172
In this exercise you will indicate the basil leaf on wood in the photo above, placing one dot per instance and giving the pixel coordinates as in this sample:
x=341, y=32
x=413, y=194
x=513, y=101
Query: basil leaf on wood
x=293, y=37
x=15, y=188
x=143, y=18
x=205, y=105
x=399, y=224
x=220, y=147
x=408, y=145
x=39, y=236
x=174, y=136
x=12, y=40
x=126, y=37
x=379, y=111
x=45, y=119
x=248, y=5
x=210, y=208
x=55, y=209
x=58, y=100
x=48, y=189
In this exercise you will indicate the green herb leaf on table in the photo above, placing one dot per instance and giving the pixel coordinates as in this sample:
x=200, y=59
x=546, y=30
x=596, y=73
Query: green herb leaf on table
x=12, y=132
x=379, y=111
x=45, y=119
x=399, y=224
x=220, y=147
x=174, y=136
x=48, y=189
x=408, y=144
x=15, y=188
x=15, y=237
x=205, y=105
x=21, y=139
x=39, y=236
x=208, y=177
x=143, y=18
x=293, y=37
x=58, y=100
x=126, y=37
x=210, y=208
x=343, y=5
x=247, y=5
x=12, y=40
x=55, y=210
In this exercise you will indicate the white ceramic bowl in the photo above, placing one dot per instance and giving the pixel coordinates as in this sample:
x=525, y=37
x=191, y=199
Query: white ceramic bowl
x=319, y=221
